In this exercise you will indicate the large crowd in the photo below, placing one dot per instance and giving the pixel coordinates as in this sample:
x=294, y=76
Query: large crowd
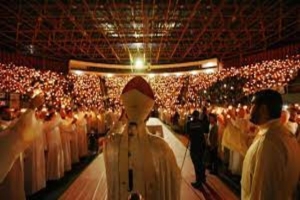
x=172, y=92
x=78, y=105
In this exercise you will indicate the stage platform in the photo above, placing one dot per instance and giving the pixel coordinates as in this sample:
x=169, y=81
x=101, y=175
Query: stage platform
x=91, y=184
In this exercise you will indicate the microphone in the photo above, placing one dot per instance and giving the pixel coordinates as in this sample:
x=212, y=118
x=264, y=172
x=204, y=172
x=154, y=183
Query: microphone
x=135, y=196
x=130, y=179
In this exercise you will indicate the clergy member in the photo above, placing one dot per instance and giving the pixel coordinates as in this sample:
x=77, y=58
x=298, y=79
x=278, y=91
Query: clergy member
x=55, y=155
x=13, y=141
x=66, y=131
x=136, y=161
x=81, y=128
x=271, y=167
x=34, y=160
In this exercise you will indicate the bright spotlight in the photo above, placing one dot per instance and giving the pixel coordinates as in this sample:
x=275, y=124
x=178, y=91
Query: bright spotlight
x=151, y=75
x=109, y=75
x=194, y=72
x=78, y=72
x=139, y=63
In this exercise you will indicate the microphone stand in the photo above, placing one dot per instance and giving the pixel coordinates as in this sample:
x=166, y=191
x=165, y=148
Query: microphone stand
x=187, y=147
x=132, y=195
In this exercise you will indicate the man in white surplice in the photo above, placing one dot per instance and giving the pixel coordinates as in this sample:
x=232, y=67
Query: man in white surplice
x=13, y=141
x=34, y=160
x=55, y=154
x=136, y=161
x=81, y=128
x=271, y=166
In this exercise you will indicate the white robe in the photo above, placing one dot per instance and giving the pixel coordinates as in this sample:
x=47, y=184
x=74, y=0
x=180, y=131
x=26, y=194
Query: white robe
x=34, y=163
x=14, y=140
x=81, y=127
x=235, y=138
x=109, y=119
x=94, y=122
x=271, y=167
x=66, y=129
x=12, y=186
x=237, y=155
x=155, y=171
x=292, y=127
x=101, y=123
x=55, y=155
x=74, y=144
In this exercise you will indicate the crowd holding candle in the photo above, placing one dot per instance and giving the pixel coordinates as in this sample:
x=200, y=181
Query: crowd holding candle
x=76, y=105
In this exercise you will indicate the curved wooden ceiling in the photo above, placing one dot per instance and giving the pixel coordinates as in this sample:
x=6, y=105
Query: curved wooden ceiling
x=162, y=31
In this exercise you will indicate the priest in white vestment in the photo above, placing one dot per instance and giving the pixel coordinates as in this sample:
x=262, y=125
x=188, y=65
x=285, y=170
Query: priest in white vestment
x=291, y=124
x=34, y=161
x=55, y=155
x=73, y=137
x=101, y=123
x=15, y=177
x=136, y=161
x=66, y=130
x=13, y=141
x=81, y=128
x=271, y=166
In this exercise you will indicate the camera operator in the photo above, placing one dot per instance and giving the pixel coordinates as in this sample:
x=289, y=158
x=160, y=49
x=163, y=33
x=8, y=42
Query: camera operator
x=195, y=130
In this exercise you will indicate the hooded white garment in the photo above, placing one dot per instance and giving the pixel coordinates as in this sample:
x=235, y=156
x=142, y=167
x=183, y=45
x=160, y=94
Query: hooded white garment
x=74, y=143
x=91, y=121
x=292, y=127
x=34, y=162
x=13, y=141
x=271, y=167
x=81, y=128
x=155, y=174
x=12, y=186
x=101, y=123
x=242, y=126
x=235, y=138
x=66, y=131
x=55, y=155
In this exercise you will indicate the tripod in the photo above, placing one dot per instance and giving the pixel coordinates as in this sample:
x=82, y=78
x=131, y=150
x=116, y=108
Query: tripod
x=187, y=147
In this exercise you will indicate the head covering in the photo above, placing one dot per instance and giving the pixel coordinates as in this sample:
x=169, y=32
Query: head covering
x=196, y=114
x=138, y=99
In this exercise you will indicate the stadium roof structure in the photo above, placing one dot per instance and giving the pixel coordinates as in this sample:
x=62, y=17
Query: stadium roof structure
x=161, y=32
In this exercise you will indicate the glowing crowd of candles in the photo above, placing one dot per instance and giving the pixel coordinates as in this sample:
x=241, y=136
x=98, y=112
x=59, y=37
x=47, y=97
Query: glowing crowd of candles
x=69, y=90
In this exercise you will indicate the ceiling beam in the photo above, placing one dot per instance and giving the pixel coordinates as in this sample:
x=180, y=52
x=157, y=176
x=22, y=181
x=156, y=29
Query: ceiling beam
x=194, y=11
x=79, y=26
x=119, y=29
x=164, y=30
x=94, y=18
x=19, y=42
x=51, y=35
x=211, y=19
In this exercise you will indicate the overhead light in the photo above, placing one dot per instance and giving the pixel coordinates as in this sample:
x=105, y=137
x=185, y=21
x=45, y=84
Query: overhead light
x=139, y=63
x=109, y=75
x=165, y=74
x=151, y=75
x=78, y=72
x=178, y=74
x=194, y=72
x=209, y=64
x=209, y=71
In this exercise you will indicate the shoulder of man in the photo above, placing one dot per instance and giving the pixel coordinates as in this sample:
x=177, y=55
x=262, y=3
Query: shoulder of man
x=196, y=124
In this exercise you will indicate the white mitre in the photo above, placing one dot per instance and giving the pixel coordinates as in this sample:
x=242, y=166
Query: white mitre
x=138, y=99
